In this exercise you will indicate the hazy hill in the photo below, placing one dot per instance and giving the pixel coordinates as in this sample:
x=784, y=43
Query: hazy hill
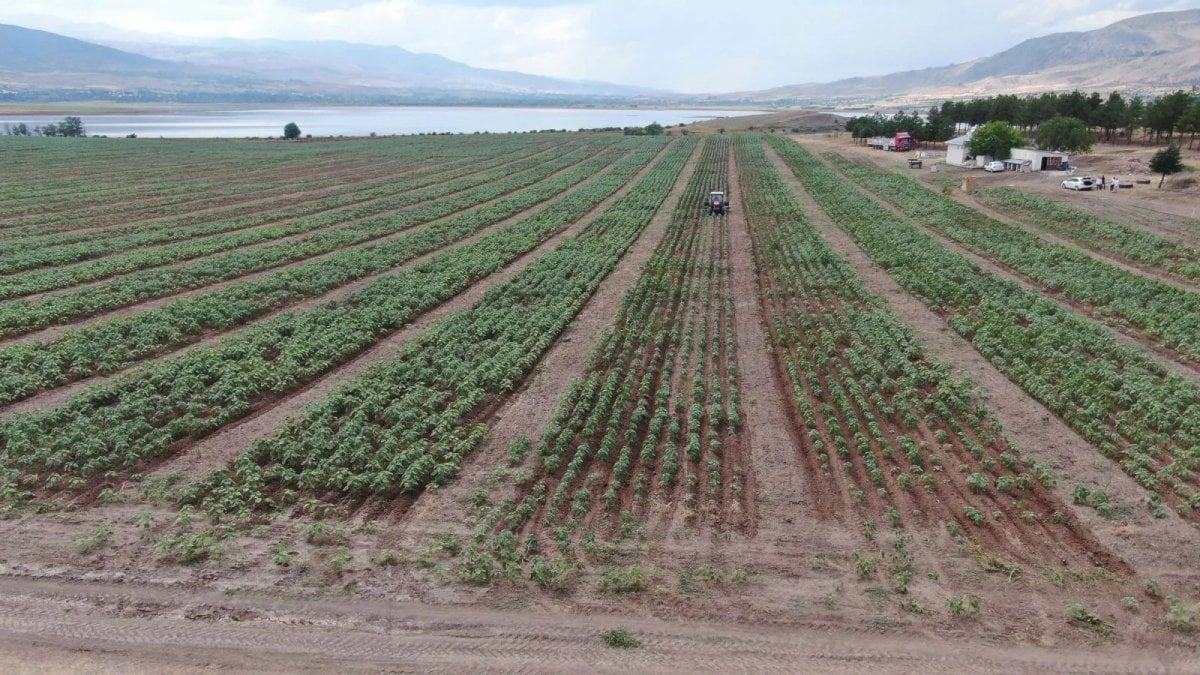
x=39, y=52
x=1152, y=52
x=347, y=63
x=39, y=65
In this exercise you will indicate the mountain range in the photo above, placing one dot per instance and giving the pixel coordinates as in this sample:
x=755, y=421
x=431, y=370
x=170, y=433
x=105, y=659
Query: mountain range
x=40, y=65
x=1145, y=54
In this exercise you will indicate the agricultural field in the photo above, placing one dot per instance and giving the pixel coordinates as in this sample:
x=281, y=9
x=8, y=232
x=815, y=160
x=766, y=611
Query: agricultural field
x=478, y=400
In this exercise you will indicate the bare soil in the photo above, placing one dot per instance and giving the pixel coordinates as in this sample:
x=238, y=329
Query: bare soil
x=378, y=593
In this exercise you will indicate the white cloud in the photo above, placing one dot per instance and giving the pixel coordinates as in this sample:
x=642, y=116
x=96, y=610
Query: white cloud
x=686, y=45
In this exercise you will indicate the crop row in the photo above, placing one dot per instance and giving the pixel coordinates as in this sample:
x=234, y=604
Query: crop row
x=885, y=423
x=1133, y=244
x=111, y=345
x=409, y=423
x=214, y=212
x=146, y=414
x=23, y=316
x=1120, y=399
x=1170, y=314
x=49, y=189
x=335, y=211
x=657, y=407
x=140, y=202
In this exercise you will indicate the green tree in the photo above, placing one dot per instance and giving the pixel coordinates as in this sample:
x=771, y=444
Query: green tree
x=1064, y=133
x=996, y=140
x=291, y=131
x=1133, y=116
x=1190, y=122
x=1166, y=161
x=1112, y=115
x=50, y=129
x=71, y=127
x=654, y=129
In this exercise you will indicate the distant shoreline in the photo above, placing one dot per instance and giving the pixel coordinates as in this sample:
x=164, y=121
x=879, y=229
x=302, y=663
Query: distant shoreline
x=125, y=108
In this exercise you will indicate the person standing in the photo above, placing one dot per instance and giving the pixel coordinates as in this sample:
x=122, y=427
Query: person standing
x=1116, y=182
x=1101, y=181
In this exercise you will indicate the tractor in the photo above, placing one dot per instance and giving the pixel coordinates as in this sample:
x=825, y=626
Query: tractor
x=718, y=204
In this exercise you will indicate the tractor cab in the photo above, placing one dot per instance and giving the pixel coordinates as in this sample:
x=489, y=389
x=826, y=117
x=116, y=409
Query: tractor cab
x=718, y=203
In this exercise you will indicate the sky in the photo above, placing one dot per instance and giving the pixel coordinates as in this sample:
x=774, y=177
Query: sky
x=681, y=45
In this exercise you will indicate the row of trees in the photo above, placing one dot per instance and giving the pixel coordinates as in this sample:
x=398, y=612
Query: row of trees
x=69, y=126
x=1160, y=119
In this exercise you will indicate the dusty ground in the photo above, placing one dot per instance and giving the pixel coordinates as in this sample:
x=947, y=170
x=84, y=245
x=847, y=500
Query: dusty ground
x=380, y=593
x=1172, y=211
x=805, y=120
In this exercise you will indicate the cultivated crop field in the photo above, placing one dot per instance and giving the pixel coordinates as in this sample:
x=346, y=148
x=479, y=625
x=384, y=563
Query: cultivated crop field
x=524, y=385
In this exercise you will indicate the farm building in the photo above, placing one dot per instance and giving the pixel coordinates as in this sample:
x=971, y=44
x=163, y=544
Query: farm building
x=1039, y=160
x=1023, y=159
x=956, y=150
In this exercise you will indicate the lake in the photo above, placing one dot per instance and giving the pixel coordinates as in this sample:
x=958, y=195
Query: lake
x=362, y=121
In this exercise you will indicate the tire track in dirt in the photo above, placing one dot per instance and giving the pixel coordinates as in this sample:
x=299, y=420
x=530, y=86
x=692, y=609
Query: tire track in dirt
x=224, y=445
x=54, y=332
x=529, y=409
x=784, y=494
x=47, y=623
x=1147, y=547
x=59, y=395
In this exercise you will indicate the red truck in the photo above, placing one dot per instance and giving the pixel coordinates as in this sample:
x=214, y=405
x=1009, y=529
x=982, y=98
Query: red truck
x=901, y=142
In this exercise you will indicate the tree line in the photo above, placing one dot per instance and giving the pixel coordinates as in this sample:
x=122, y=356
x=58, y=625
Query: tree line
x=1071, y=119
x=69, y=126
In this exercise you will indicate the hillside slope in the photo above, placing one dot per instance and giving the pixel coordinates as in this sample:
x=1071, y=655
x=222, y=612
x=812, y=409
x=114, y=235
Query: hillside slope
x=1148, y=53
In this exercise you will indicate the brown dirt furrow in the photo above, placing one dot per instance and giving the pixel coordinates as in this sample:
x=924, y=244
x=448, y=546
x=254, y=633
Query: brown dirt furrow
x=1011, y=536
x=54, y=332
x=223, y=446
x=1146, y=543
x=771, y=441
x=530, y=408
x=58, y=396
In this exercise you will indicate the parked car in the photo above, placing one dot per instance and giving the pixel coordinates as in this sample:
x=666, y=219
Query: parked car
x=994, y=166
x=1079, y=183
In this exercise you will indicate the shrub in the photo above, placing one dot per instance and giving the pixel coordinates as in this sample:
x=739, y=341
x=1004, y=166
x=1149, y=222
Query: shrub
x=621, y=638
x=622, y=581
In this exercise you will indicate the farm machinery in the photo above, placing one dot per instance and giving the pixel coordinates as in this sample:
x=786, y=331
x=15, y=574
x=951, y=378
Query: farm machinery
x=718, y=204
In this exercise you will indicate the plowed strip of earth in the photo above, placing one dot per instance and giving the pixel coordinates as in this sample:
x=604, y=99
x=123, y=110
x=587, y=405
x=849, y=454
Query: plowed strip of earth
x=1130, y=266
x=1173, y=360
x=225, y=445
x=1149, y=546
x=57, y=396
x=533, y=404
x=50, y=626
x=54, y=332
